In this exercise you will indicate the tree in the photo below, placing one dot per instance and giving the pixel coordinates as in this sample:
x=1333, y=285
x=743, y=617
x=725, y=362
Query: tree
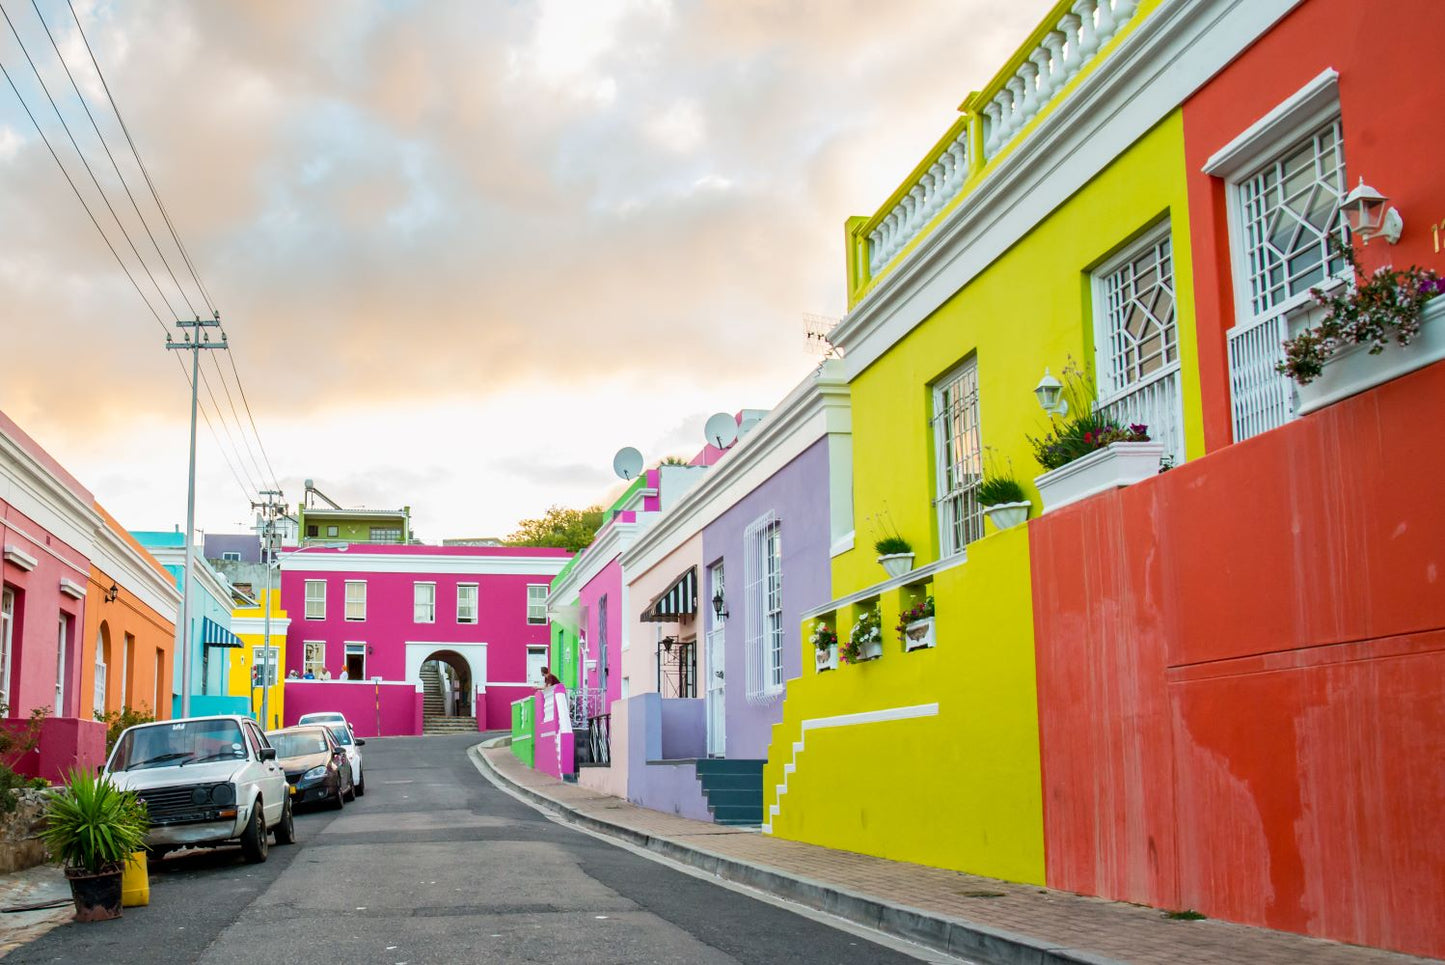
x=570, y=529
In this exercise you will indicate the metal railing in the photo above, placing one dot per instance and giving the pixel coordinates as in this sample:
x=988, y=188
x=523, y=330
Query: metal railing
x=583, y=704
x=1158, y=404
x=1260, y=397
x=599, y=739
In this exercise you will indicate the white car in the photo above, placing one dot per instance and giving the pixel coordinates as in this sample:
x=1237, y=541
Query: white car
x=341, y=729
x=205, y=781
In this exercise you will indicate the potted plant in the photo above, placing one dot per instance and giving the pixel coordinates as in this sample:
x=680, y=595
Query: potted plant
x=865, y=640
x=915, y=625
x=1390, y=313
x=895, y=553
x=91, y=829
x=1003, y=500
x=1087, y=451
x=825, y=647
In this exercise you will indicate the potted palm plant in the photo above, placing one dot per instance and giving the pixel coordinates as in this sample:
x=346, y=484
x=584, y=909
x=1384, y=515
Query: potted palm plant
x=91, y=828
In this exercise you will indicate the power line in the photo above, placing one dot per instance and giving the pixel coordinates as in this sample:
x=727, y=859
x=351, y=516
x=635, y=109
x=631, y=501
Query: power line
x=240, y=385
x=114, y=166
x=220, y=373
x=88, y=170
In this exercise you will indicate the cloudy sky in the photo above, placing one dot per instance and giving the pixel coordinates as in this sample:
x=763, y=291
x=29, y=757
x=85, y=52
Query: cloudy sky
x=463, y=250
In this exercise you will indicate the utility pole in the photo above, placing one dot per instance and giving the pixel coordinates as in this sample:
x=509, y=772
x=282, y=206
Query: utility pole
x=193, y=340
x=269, y=547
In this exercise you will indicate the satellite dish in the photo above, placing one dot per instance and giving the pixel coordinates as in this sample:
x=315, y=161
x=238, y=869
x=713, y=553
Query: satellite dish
x=751, y=417
x=627, y=463
x=721, y=430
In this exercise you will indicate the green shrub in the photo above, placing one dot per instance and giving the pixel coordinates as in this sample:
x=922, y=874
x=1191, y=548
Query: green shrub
x=1000, y=489
x=93, y=826
x=118, y=720
x=889, y=545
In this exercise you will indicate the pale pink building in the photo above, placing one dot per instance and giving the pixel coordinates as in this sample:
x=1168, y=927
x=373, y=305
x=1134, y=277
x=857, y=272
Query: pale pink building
x=420, y=633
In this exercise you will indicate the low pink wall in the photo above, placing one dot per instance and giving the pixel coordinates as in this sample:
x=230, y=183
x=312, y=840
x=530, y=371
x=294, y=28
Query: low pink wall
x=65, y=743
x=553, y=744
x=494, y=707
x=396, y=707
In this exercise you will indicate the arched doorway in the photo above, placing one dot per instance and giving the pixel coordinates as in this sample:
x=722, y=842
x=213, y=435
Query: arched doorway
x=447, y=686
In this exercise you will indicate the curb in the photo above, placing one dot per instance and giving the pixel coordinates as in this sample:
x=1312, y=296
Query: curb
x=953, y=936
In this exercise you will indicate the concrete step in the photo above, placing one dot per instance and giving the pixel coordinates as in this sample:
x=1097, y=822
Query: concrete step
x=725, y=782
x=740, y=797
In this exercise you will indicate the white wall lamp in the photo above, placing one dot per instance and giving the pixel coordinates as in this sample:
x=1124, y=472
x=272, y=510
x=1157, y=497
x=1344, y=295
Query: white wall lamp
x=1050, y=393
x=1369, y=215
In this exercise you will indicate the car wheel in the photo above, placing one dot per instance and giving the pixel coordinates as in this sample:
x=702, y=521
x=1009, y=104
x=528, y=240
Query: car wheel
x=351, y=791
x=286, y=827
x=254, y=843
x=361, y=785
x=339, y=801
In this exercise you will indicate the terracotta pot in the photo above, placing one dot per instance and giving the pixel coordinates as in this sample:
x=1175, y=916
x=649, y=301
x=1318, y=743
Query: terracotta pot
x=97, y=897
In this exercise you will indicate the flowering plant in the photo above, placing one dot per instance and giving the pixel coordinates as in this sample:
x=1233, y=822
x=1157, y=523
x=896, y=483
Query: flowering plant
x=919, y=611
x=823, y=636
x=1378, y=309
x=868, y=629
x=1084, y=428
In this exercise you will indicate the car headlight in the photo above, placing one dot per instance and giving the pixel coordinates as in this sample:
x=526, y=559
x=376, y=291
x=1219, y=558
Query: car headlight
x=317, y=772
x=223, y=794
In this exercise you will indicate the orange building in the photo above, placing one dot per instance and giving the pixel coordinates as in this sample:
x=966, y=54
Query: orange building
x=131, y=609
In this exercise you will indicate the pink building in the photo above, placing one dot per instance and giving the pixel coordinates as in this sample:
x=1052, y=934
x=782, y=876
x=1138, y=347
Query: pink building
x=416, y=638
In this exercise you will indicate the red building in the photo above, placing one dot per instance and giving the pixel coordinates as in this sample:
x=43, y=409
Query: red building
x=1241, y=663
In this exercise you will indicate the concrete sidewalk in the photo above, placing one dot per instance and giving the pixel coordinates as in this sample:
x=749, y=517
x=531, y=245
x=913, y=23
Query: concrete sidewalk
x=976, y=918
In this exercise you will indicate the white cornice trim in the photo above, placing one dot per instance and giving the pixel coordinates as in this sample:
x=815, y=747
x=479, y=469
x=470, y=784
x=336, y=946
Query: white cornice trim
x=256, y=626
x=424, y=564
x=614, y=540
x=16, y=556
x=817, y=407
x=115, y=558
x=1157, y=65
x=72, y=589
x=33, y=490
x=212, y=582
x=1320, y=95
x=918, y=575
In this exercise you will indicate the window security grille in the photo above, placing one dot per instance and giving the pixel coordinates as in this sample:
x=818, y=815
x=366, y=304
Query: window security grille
x=959, y=447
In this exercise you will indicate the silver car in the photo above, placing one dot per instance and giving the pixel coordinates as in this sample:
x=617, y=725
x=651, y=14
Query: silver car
x=205, y=781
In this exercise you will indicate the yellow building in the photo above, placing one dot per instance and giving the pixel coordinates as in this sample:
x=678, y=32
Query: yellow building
x=1048, y=229
x=249, y=623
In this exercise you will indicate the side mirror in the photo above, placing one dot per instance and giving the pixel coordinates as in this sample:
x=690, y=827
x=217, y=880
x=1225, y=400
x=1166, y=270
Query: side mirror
x=361, y=742
x=268, y=753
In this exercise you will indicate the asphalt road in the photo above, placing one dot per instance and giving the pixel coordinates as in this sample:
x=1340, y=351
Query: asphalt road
x=436, y=865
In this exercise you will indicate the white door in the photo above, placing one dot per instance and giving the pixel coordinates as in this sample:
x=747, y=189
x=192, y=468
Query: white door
x=60, y=669
x=716, y=680
x=536, y=660
x=7, y=623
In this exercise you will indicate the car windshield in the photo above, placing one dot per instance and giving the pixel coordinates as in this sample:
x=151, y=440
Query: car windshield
x=298, y=743
x=342, y=735
x=178, y=742
x=321, y=718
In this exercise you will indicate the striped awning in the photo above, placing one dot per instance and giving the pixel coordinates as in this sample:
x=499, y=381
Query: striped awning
x=215, y=635
x=678, y=600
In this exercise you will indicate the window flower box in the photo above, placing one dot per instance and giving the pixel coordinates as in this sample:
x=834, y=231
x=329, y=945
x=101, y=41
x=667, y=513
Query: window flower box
x=1007, y=515
x=871, y=650
x=1118, y=464
x=918, y=635
x=827, y=658
x=896, y=564
x=1352, y=370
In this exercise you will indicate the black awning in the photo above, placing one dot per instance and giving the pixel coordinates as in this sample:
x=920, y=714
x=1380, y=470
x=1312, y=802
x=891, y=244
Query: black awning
x=678, y=600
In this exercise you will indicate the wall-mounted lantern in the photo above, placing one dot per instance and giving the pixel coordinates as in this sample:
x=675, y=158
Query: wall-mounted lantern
x=112, y=593
x=719, y=605
x=1369, y=215
x=1050, y=393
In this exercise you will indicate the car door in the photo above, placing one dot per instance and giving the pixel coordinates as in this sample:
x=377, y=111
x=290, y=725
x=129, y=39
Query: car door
x=269, y=775
x=338, y=754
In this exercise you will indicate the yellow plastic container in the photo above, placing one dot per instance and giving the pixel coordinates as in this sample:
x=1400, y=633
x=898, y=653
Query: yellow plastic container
x=135, y=882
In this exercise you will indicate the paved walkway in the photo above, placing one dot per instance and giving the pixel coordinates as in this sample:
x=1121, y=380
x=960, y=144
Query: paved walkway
x=982, y=918
x=34, y=886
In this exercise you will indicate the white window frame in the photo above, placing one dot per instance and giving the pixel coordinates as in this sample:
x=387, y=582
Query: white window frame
x=332, y=532
x=269, y=658
x=1155, y=399
x=536, y=607
x=532, y=650
x=313, y=664
x=462, y=615
x=1256, y=334
x=318, y=599
x=950, y=541
x=62, y=659
x=763, y=601
x=98, y=697
x=423, y=610
x=230, y=556
x=361, y=602
x=7, y=641
x=384, y=534
x=349, y=649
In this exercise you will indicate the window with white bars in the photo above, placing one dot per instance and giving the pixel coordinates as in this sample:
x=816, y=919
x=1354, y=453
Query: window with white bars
x=763, y=598
x=466, y=603
x=424, y=603
x=537, y=602
x=316, y=599
x=1136, y=341
x=98, y=701
x=355, y=600
x=959, y=448
x=1288, y=213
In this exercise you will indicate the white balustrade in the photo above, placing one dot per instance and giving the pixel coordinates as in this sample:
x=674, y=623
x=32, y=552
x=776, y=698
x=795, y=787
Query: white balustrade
x=1157, y=403
x=1043, y=72
x=1260, y=397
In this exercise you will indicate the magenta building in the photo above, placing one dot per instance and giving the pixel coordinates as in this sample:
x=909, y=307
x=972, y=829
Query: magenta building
x=406, y=638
